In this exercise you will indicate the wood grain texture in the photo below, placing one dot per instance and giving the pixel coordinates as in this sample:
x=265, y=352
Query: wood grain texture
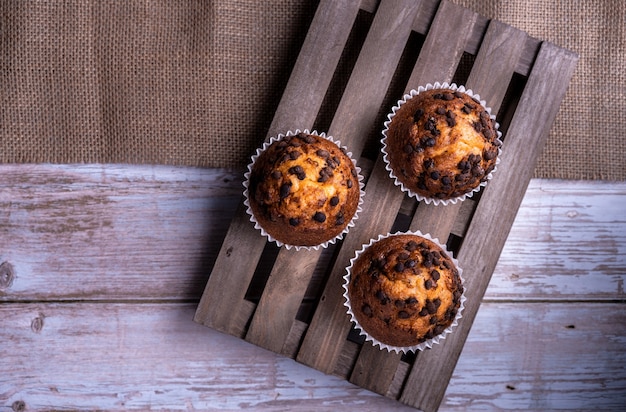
x=545, y=89
x=440, y=55
x=562, y=245
x=329, y=327
x=305, y=89
x=564, y=263
x=149, y=356
x=354, y=118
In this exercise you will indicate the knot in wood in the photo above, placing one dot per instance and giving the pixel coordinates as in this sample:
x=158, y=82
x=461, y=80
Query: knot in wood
x=7, y=274
x=18, y=406
x=37, y=324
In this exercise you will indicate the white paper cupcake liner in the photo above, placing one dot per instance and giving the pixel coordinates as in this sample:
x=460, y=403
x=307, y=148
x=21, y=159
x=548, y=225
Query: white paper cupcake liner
x=390, y=116
x=402, y=349
x=246, y=193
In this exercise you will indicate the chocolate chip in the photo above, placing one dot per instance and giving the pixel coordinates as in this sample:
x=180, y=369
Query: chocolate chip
x=418, y=115
x=430, y=307
x=477, y=171
x=339, y=220
x=408, y=148
x=429, y=284
x=430, y=142
x=276, y=174
x=319, y=217
x=466, y=110
x=399, y=267
x=349, y=184
x=430, y=124
x=478, y=126
x=428, y=163
x=308, y=138
x=367, y=310
x=424, y=311
x=403, y=314
x=382, y=297
x=411, y=246
x=489, y=155
x=403, y=256
x=334, y=201
x=323, y=178
x=440, y=110
x=458, y=94
x=464, y=165
x=446, y=181
x=437, y=96
x=294, y=154
x=434, y=175
x=437, y=302
x=448, y=96
x=322, y=153
x=294, y=221
x=284, y=190
x=410, y=301
x=410, y=263
x=450, y=119
x=399, y=303
x=434, y=274
x=298, y=171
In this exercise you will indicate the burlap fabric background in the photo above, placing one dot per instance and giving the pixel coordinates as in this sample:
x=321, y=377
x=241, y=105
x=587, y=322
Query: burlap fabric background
x=196, y=82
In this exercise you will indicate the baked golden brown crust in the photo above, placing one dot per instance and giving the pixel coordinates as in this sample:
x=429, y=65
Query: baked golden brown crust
x=404, y=289
x=442, y=144
x=303, y=190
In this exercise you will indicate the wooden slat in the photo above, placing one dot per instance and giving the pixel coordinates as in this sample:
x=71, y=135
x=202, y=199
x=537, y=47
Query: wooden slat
x=306, y=88
x=354, y=119
x=492, y=61
x=440, y=55
x=527, y=133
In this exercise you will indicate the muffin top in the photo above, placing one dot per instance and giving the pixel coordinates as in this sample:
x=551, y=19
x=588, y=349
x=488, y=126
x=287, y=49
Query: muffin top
x=441, y=144
x=404, y=289
x=304, y=189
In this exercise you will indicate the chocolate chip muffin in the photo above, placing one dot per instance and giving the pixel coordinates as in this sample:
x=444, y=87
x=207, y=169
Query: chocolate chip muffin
x=303, y=190
x=441, y=144
x=403, y=290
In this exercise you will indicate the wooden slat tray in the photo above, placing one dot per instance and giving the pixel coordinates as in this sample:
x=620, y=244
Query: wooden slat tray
x=408, y=43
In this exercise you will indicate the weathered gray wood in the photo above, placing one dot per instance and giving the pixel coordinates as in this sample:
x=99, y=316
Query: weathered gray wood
x=112, y=231
x=439, y=56
x=544, y=256
x=527, y=133
x=149, y=356
x=322, y=343
x=145, y=356
x=173, y=219
x=354, y=119
x=306, y=89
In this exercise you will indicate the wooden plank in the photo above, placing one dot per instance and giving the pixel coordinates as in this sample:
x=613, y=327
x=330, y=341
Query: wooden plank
x=527, y=133
x=442, y=50
x=354, y=119
x=112, y=231
x=306, y=88
x=173, y=219
x=329, y=327
x=144, y=356
x=544, y=257
x=492, y=62
x=514, y=350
